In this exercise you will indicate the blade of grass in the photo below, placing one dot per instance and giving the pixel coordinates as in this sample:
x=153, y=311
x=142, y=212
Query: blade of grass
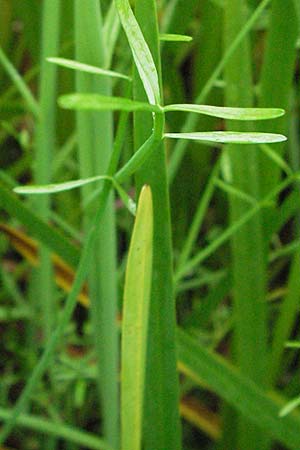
x=247, y=245
x=161, y=419
x=135, y=323
x=75, y=65
x=94, y=131
x=45, y=142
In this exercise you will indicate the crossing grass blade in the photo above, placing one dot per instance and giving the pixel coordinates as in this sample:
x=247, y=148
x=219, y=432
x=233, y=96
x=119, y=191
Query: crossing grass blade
x=256, y=404
x=135, y=323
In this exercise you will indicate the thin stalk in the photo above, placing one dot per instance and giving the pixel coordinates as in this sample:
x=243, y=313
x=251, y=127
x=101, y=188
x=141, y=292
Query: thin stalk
x=198, y=218
x=162, y=426
x=94, y=132
x=45, y=142
x=248, y=258
x=280, y=55
x=19, y=84
x=191, y=120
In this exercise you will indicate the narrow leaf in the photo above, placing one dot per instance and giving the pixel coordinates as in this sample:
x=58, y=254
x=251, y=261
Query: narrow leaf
x=229, y=113
x=59, y=187
x=230, y=137
x=94, y=102
x=175, y=37
x=289, y=407
x=81, y=67
x=140, y=51
x=127, y=200
x=135, y=323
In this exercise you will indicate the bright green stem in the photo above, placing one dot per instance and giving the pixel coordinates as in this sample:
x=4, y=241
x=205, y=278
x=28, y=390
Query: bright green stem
x=162, y=426
x=45, y=143
x=248, y=259
x=95, y=145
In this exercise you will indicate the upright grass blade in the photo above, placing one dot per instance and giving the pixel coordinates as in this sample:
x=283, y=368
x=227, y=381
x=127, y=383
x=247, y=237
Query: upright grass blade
x=249, y=260
x=279, y=56
x=42, y=281
x=135, y=323
x=94, y=130
x=162, y=426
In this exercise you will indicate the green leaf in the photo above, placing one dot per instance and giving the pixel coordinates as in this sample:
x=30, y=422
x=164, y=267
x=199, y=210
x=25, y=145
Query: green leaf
x=175, y=37
x=135, y=323
x=229, y=113
x=70, y=64
x=260, y=407
x=94, y=102
x=140, y=51
x=289, y=407
x=59, y=187
x=230, y=137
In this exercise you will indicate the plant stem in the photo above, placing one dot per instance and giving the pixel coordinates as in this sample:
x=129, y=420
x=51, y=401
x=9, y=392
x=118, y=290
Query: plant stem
x=95, y=145
x=249, y=260
x=162, y=426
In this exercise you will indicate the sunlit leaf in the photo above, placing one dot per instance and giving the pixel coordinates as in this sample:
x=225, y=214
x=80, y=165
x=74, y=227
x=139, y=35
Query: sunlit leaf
x=135, y=322
x=58, y=187
x=229, y=113
x=140, y=51
x=94, y=102
x=75, y=65
x=230, y=137
x=175, y=37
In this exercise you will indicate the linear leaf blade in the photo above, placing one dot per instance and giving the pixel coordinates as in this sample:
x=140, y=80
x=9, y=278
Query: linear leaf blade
x=58, y=187
x=140, y=51
x=95, y=102
x=75, y=65
x=230, y=137
x=167, y=37
x=229, y=113
x=135, y=322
